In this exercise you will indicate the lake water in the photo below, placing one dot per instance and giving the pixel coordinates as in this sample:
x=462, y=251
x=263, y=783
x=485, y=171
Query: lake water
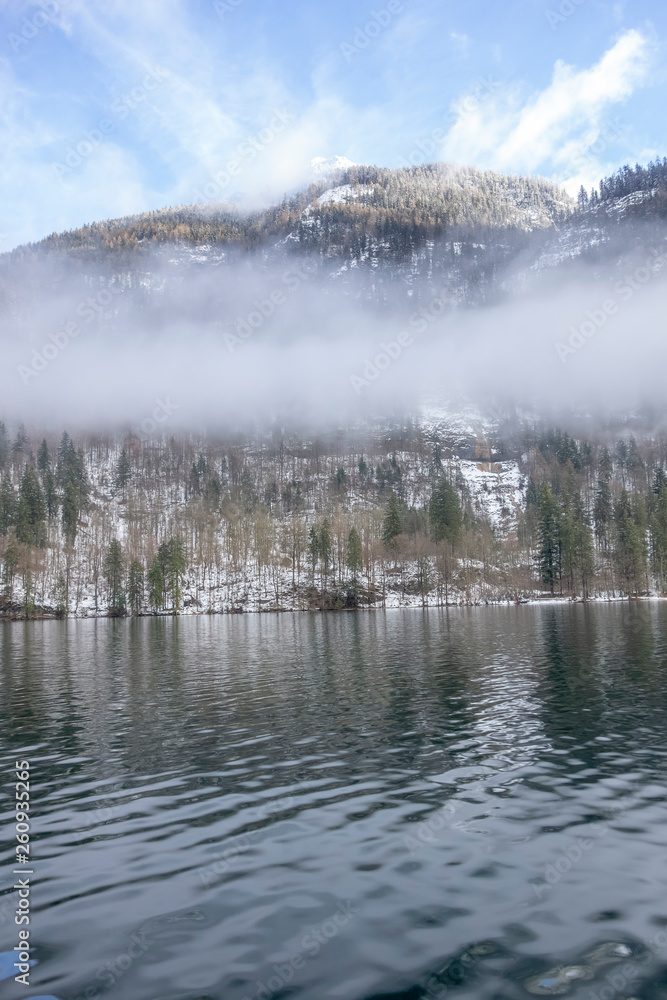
x=414, y=804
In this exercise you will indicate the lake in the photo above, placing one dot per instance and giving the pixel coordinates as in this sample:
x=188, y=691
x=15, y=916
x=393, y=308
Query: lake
x=462, y=803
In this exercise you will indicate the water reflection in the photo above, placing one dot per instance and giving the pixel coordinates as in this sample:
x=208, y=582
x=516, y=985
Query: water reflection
x=479, y=793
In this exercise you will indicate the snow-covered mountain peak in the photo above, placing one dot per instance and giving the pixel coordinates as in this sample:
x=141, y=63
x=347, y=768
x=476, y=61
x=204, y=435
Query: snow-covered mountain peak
x=323, y=166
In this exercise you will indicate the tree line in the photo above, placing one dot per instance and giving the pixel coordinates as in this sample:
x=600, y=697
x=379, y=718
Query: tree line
x=126, y=526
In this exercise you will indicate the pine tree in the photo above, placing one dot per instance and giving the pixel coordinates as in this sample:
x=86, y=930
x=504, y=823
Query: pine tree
x=135, y=587
x=176, y=570
x=313, y=548
x=549, y=528
x=577, y=552
x=325, y=545
x=603, y=509
x=4, y=445
x=72, y=479
x=43, y=457
x=21, y=441
x=50, y=493
x=123, y=472
x=658, y=526
x=113, y=571
x=7, y=504
x=10, y=563
x=28, y=607
x=62, y=597
x=354, y=553
x=445, y=512
x=31, y=510
x=629, y=542
x=48, y=480
x=392, y=524
x=156, y=585
x=70, y=513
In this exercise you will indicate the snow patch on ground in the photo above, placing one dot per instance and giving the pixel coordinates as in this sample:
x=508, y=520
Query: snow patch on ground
x=344, y=193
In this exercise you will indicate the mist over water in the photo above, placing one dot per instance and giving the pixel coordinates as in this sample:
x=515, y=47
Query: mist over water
x=234, y=340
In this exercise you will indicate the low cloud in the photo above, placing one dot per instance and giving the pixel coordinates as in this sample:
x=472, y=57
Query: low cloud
x=245, y=342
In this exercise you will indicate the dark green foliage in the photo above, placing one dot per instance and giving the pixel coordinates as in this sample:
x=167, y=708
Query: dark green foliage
x=135, y=587
x=43, y=457
x=658, y=525
x=531, y=493
x=325, y=545
x=578, y=558
x=602, y=509
x=313, y=547
x=389, y=475
x=7, y=505
x=21, y=441
x=31, y=510
x=630, y=541
x=549, y=529
x=176, y=570
x=392, y=524
x=248, y=493
x=72, y=480
x=10, y=564
x=61, y=597
x=50, y=493
x=48, y=480
x=445, y=512
x=354, y=553
x=70, y=513
x=123, y=473
x=114, y=574
x=320, y=548
x=165, y=575
x=156, y=585
x=564, y=448
x=4, y=445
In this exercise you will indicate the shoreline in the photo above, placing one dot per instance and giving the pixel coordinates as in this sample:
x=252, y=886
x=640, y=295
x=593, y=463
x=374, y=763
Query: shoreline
x=50, y=614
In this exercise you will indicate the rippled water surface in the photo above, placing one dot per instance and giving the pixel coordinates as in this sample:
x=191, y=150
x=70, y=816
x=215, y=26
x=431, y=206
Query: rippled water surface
x=419, y=804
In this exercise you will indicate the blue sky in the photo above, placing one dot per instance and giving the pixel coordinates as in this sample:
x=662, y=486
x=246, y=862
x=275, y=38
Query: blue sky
x=115, y=107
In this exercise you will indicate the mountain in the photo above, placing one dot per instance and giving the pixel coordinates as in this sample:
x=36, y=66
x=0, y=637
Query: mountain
x=448, y=505
x=405, y=235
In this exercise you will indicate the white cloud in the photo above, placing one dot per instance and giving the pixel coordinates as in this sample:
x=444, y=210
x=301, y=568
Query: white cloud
x=461, y=42
x=549, y=131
